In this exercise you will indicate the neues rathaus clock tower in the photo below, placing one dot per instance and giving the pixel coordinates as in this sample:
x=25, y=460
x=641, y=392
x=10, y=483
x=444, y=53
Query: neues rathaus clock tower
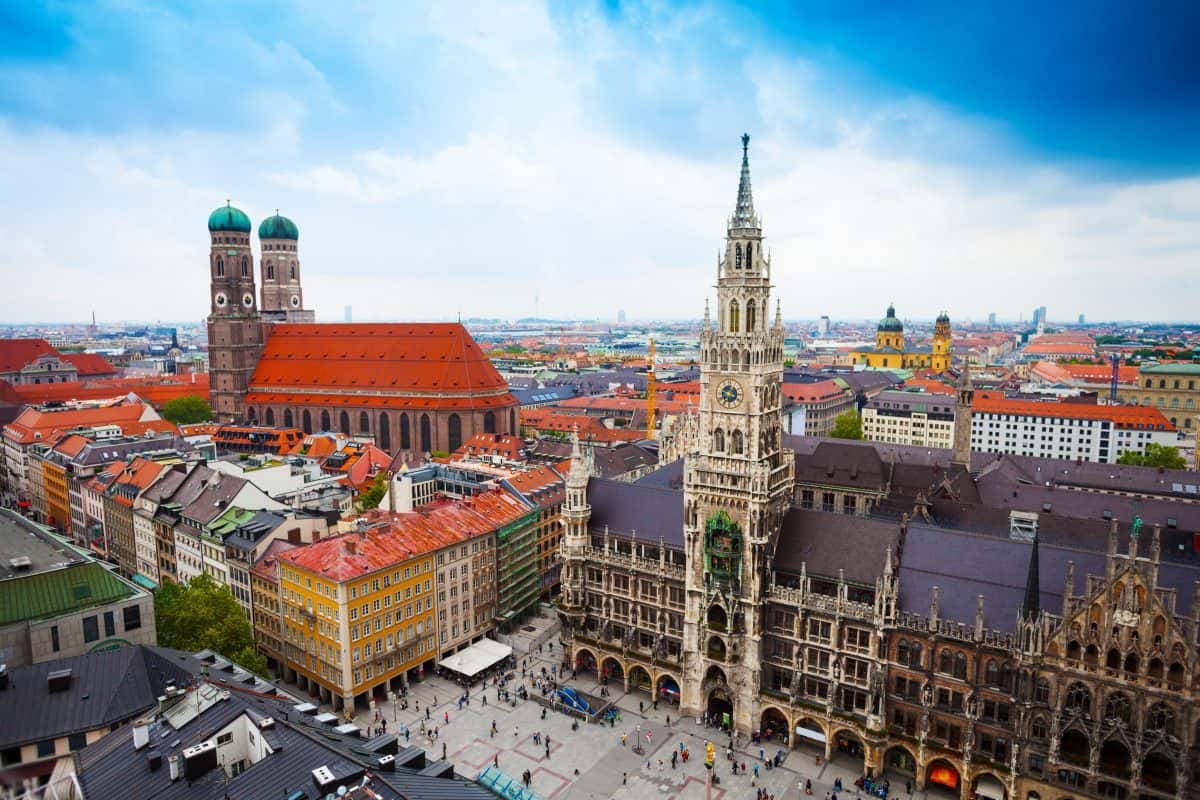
x=738, y=486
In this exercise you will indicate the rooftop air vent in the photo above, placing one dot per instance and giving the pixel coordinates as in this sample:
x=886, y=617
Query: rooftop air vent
x=323, y=777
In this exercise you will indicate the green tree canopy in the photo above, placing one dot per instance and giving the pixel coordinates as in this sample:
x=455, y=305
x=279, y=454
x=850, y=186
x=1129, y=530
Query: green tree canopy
x=1157, y=455
x=848, y=425
x=187, y=409
x=372, y=496
x=204, y=615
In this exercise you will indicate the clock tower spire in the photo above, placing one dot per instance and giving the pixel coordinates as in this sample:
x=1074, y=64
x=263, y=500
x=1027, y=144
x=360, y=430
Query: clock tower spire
x=738, y=486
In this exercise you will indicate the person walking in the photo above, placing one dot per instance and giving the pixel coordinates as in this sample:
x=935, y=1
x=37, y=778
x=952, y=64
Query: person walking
x=447, y=717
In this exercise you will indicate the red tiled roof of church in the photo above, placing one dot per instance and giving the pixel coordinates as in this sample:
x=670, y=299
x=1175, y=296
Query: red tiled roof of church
x=90, y=364
x=16, y=353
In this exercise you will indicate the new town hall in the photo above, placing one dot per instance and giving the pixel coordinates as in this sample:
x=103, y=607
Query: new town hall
x=992, y=625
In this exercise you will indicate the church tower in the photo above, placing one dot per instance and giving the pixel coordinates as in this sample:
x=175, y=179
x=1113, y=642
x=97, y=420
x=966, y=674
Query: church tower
x=235, y=331
x=282, y=297
x=573, y=548
x=962, y=419
x=940, y=360
x=738, y=486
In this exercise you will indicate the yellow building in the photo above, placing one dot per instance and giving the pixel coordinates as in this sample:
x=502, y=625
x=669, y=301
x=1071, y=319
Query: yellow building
x=892, y=352
x=358, y=613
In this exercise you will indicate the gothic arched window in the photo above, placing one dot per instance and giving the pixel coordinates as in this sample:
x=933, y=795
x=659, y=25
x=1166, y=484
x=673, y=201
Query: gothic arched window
x=325, y=421
x=751, y=316
x=992, y=674
x=749, y=256
x=719, y=440
x=306, y=421
x=489, y=422
x=288, y=420
x=405, y=439
x=1078, y=697
x=735, y=443
x=945, y=662
x=245, y=267
x=960, y=666
x=1117, y=707
x=292, y=271
x=737, y=256
x=914, y=654
x=270, y=417
x=1160, y=718
x=735, y=318
x=344, y=423
x=364, y=422
x=270, y=271
x=454, y=432
x=426, y=438
x=220, y=268
x=385, y=432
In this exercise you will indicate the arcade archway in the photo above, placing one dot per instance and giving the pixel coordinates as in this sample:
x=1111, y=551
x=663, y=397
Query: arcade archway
x=809, y=732
x=585, y=661
x=942, y=778
x=899, y=760
x=611, y=672
x=639, y=680
x=988, y=787
x=720, y=707
x=668, y=689
x=849, y=749
x=773, y=725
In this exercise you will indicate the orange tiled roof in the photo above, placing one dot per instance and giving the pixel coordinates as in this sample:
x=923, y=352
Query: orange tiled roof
x=492, y=444
x=16, y=353
x=1059, y=349
x=590, y=428
x=403, y=365
x=626, y=404
x=813, y=392
x=34, y=424
x=70, y=446
x=156, y=391
x=90, y=364
x=1139, y=417
x=392, y=538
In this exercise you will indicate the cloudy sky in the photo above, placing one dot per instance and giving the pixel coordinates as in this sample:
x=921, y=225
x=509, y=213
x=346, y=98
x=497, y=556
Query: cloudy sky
x=490, y=159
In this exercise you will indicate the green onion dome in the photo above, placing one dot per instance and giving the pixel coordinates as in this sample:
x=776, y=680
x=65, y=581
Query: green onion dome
x=278, y=227
x=228, y=218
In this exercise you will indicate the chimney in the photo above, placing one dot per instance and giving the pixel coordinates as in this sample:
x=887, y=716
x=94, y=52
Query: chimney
x=173, y=765
x=350, y=546
x=58, y=681
x=141, y=734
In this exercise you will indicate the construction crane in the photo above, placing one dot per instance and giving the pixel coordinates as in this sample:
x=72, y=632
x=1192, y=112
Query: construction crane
x=650, y=390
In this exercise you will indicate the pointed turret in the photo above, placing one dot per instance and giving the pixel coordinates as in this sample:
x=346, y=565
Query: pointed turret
x=1031, y=606
x=743, y=215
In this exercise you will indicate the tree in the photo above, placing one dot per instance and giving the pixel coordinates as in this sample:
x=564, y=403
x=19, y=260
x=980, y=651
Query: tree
x=848, y=425
x=372, y=496
x=203, y=614
x=187, y=409
x=1156, y=455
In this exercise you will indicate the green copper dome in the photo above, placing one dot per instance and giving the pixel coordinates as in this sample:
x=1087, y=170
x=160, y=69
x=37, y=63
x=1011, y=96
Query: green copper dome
x=890, y=322
x=278, y=227
x=228, y=218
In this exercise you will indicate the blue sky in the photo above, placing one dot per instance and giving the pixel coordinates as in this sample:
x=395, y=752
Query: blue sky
x=443, y=157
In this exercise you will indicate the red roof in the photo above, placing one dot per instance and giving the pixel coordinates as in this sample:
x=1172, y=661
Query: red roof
x=392, y=538
x=814, y=392
x=929, y=386
x=1059, y=349
x=90, y=364
x=1137, y=417
x=627, y=405
x=17, y=353
x=492, y=444
x=156, y=391
x=400, y=365
x=34, y=424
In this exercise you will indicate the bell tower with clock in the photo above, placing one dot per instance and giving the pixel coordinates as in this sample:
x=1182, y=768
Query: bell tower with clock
x=235, y=328
x=738, y=486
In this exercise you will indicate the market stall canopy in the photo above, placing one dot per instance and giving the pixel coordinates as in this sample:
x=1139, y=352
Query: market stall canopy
x=476, y=658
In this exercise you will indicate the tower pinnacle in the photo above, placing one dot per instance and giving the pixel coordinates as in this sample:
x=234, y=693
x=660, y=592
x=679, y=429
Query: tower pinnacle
x=743, y=215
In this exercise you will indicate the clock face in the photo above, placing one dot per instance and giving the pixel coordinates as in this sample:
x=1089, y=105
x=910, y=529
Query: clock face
x=295, y=301
x=220, y=299
x=729, y=394
x=248, y=300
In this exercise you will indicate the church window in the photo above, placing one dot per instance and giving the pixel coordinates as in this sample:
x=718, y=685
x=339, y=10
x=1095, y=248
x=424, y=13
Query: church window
x=270, y=271
x=385, y=432
x=270, y=417
x=454, y=431
x=751, y=316
x=292, y=271
x=734, y=316
x=426, y=438
x=306, y=421
x=512, y=422
x=737, y=256
x=719, y=440
x=749, y=256
x=735, y=443
x=405, y=439
x=364, y=422
x=489, y=422
x=245, y=267
x=344, y=423
x=220, y=268
x=288, y=420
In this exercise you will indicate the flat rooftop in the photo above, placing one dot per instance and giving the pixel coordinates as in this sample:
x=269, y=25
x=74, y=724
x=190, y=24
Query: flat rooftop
x=27, y=549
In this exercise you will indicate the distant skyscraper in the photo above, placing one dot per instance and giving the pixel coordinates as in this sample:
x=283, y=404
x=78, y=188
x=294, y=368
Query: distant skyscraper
x=348, y=313
x=621, y=316
x=1039, y=316
x=823, y=326
x=992, y=319
x=1081, y=319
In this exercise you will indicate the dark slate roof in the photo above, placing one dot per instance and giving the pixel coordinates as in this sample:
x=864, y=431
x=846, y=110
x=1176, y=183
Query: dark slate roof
x=106, y=687
x=668, y=476
x=827, y=543
x=842, y=463
x=967, y=564
x=611, y=462
x=112, y=768
x=626, y=508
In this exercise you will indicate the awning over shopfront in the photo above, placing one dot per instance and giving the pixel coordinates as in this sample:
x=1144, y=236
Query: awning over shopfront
x=144, y=582
x=809, y=733
x=476, y=658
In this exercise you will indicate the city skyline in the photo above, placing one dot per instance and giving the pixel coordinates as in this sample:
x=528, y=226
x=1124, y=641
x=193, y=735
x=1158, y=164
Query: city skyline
x=586, y=155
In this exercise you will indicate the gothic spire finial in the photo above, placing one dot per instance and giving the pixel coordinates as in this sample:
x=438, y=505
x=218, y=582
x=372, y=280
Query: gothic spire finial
x=1031, y=606
x=743, y=215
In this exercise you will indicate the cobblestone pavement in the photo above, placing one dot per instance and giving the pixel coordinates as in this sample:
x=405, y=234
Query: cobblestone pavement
x=592, y=762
